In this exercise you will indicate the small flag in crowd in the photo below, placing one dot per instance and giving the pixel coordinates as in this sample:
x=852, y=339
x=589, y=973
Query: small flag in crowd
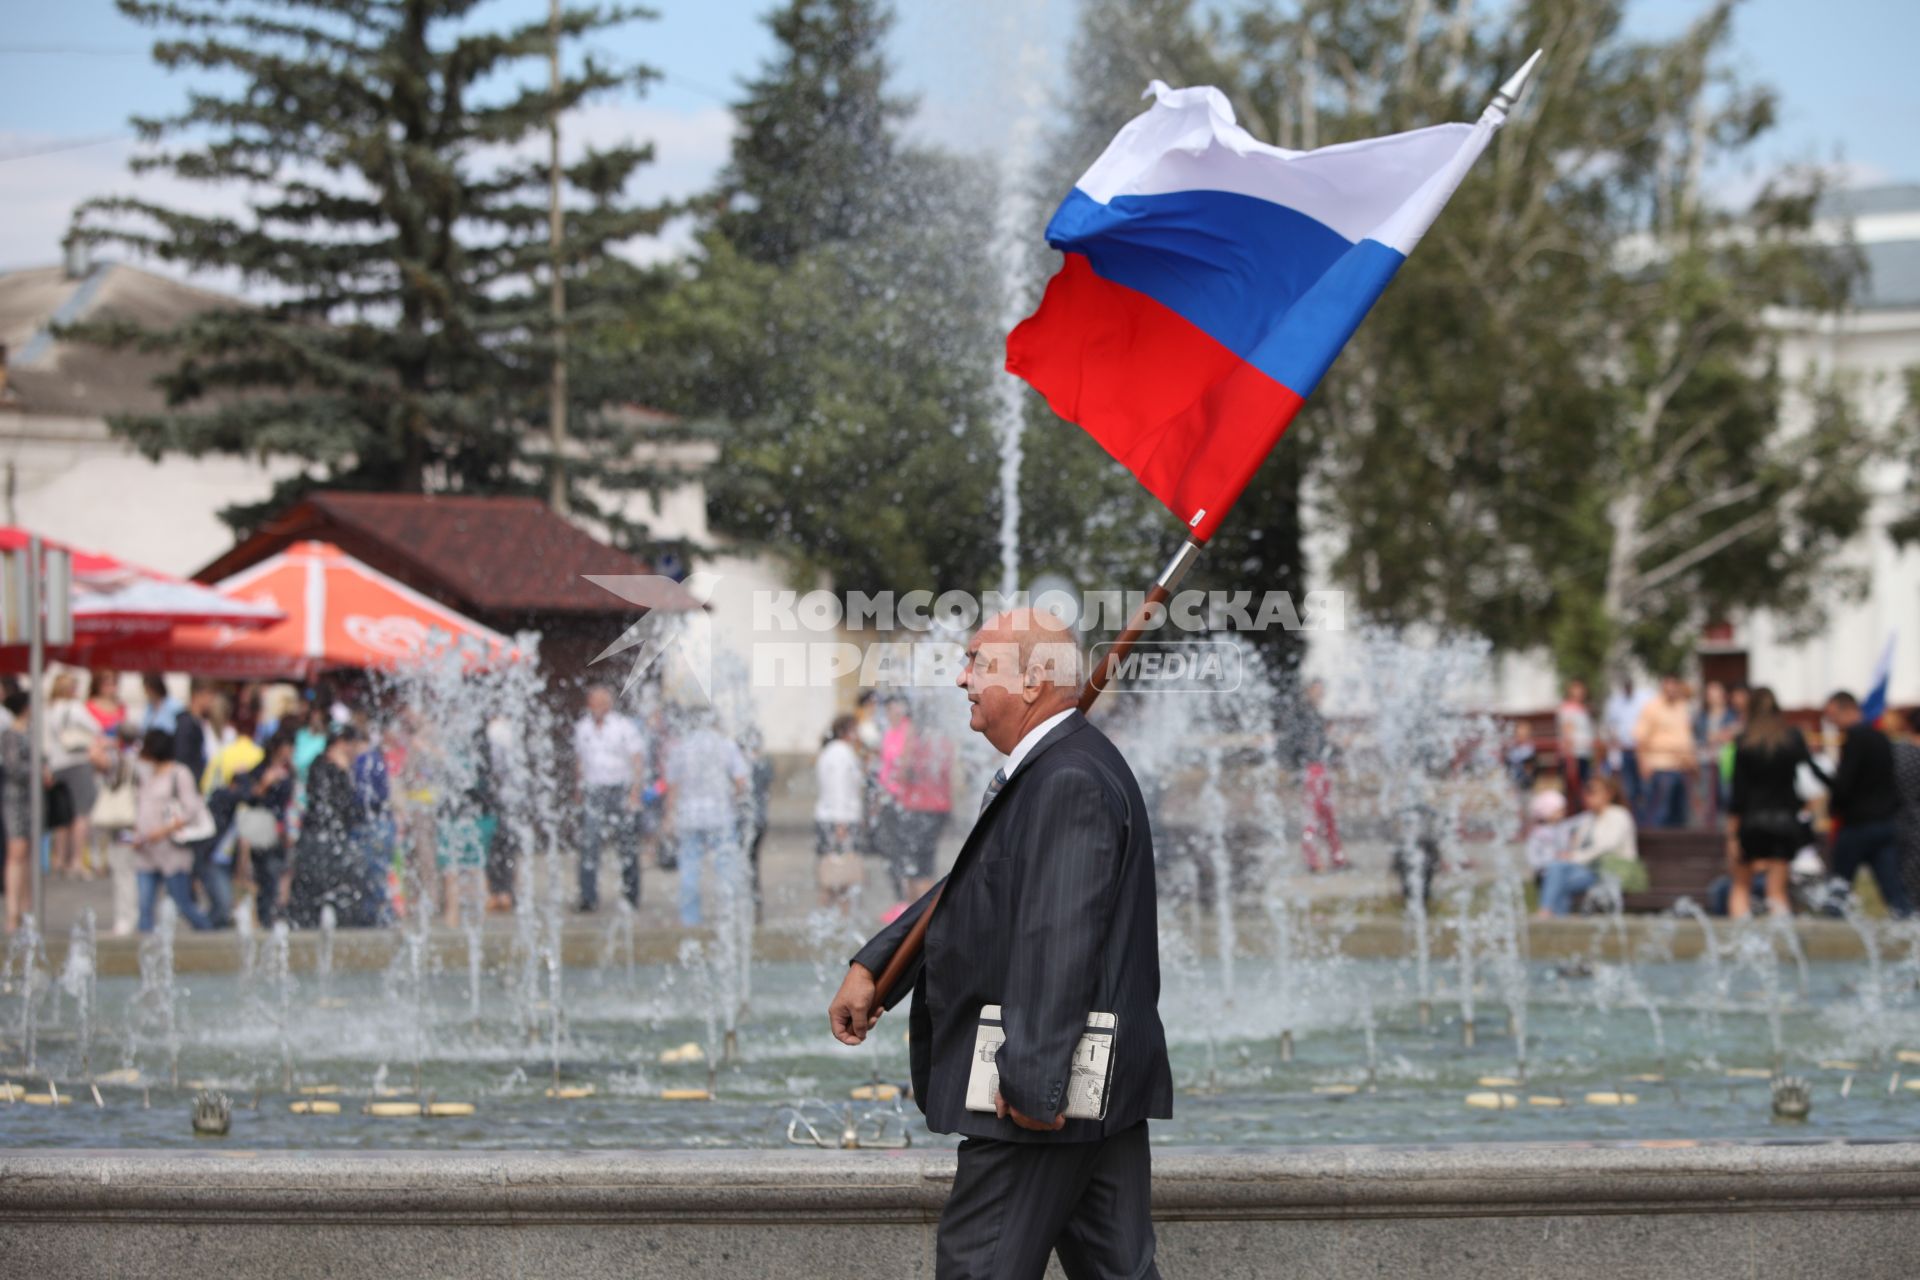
x=1211, y=279
x=1874, y=705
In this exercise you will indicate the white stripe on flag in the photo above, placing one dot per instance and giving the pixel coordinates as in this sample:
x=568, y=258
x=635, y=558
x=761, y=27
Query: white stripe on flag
x=1387, y=189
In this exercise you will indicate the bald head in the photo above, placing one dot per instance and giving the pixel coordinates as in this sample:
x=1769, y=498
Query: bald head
x=1023, y=666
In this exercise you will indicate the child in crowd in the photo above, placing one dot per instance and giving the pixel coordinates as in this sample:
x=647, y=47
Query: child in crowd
x=1549, y=832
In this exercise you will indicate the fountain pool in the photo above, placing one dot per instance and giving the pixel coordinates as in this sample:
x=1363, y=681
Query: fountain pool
x=1613, y=1052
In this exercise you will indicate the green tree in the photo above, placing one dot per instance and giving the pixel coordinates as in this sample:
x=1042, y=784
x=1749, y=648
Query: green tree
x=398, y=238
x=1906, y=526
x=836, y=326
x=1564, y=425
x=817, y=142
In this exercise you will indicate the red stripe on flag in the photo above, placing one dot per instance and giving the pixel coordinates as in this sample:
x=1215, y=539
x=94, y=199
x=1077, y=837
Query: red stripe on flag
x=1188, y=417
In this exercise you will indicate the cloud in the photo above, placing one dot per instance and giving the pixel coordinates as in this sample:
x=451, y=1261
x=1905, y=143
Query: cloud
x=42, y=191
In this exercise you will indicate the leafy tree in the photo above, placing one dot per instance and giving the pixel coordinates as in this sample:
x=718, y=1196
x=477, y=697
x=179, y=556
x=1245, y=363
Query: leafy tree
x=837, y=324
x=1906, y=527
x=1564, y=425
x=399, y=238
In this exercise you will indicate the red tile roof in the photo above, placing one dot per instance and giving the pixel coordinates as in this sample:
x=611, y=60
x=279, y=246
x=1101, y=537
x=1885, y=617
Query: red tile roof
x=482, y=555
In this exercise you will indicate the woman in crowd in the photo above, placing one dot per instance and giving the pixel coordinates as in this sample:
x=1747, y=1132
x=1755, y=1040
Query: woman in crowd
x=310, y=743
x=1714, y=726
x=1609, y=835
x=263, y=797
x=114, y=817
x=1764, y=830
x=328, y=865
x=72, y=751
x=169, y=807
x=103, y=700
x=19, y=792
x=464, y=831
x=837, y=815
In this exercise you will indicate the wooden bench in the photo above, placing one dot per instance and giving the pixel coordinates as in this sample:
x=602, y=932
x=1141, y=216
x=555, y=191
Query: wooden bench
x=1680, y=864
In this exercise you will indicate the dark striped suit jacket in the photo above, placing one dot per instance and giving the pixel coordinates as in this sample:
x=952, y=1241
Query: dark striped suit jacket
x=1049, y=913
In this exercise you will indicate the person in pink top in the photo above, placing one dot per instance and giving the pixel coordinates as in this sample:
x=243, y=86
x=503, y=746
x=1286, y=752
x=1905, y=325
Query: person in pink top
x=916, y=772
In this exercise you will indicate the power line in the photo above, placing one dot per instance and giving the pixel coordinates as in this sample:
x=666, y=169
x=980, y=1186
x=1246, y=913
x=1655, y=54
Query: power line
x=30, y=152
x=71, y=50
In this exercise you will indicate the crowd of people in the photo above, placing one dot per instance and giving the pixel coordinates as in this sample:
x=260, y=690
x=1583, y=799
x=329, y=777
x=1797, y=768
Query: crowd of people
x=883, y=786
x=1732, y=762
x=291, y=802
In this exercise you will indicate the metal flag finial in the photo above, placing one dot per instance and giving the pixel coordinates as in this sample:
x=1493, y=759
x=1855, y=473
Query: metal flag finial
x=1516, y=83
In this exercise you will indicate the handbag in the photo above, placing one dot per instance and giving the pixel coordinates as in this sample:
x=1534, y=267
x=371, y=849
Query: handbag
x=73, y=738
x=1631, y=873
x=199, y=820
x=258, y=827
x=841, y=870
x=117, y=808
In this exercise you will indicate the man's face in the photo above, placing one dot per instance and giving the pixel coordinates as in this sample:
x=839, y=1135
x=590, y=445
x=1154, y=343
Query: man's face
x=991, y=676
x=1577, y=691
x=1844, y=717
x=1674, y=690
x=599, y=703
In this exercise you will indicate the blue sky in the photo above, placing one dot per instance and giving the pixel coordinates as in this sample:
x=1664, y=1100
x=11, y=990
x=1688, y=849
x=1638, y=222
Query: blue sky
x=72, y=72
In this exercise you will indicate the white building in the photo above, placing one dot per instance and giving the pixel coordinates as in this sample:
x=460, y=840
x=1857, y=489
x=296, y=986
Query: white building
x=65, y=475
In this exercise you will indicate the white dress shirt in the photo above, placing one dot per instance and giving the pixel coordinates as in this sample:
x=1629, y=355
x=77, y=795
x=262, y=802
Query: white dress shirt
x=1031, y=739
x=606, y=750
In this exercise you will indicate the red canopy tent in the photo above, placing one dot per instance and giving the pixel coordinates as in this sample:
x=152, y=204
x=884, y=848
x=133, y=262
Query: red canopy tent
x=337, y=612
x=116, y=602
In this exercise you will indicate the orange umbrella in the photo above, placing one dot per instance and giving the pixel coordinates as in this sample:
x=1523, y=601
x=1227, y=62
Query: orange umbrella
x=340, y=613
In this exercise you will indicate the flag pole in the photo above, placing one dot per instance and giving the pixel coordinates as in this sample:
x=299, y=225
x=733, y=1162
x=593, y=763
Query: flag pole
x=1163, y=588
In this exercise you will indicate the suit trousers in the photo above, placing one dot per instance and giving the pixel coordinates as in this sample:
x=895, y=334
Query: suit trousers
x=1013, y=1203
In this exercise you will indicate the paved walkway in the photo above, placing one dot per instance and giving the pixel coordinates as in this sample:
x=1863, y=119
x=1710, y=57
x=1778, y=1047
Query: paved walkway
x=787, y=870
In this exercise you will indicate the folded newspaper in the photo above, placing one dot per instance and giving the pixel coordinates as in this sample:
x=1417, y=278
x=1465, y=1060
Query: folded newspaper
x=1091, y=1072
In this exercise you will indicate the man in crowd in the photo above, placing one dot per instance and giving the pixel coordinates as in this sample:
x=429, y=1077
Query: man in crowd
x=611, y=764
x=707, y=780
x=1663, y=740
x=1622, y=719
x=1865, y=800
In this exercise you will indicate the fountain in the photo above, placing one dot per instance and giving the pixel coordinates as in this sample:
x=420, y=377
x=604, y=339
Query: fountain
x=1277, y=985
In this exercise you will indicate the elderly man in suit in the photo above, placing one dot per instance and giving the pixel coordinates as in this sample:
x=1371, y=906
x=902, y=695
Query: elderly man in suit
x=1049, y=913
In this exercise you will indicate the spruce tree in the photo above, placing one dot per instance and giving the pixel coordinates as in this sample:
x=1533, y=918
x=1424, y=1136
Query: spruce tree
x=396, y=231
x=839, y=324
x=817, y=134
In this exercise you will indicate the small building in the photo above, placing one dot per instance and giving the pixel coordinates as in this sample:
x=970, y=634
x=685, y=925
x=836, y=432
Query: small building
x=507, y=562
x=62, y=471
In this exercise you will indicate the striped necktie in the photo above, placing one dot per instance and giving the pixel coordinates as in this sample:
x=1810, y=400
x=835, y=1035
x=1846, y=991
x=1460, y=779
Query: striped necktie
x=993, y=788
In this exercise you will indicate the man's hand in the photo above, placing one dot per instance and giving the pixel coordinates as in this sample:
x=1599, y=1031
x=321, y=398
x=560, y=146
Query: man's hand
x=1005, y=1111
x=852, y=1013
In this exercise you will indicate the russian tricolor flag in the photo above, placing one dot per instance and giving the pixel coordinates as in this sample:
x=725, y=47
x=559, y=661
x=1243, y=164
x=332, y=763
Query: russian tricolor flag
x=1211, y=279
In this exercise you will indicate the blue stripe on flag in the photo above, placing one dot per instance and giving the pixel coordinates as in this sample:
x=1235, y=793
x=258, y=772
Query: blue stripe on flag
x=1276, y=287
